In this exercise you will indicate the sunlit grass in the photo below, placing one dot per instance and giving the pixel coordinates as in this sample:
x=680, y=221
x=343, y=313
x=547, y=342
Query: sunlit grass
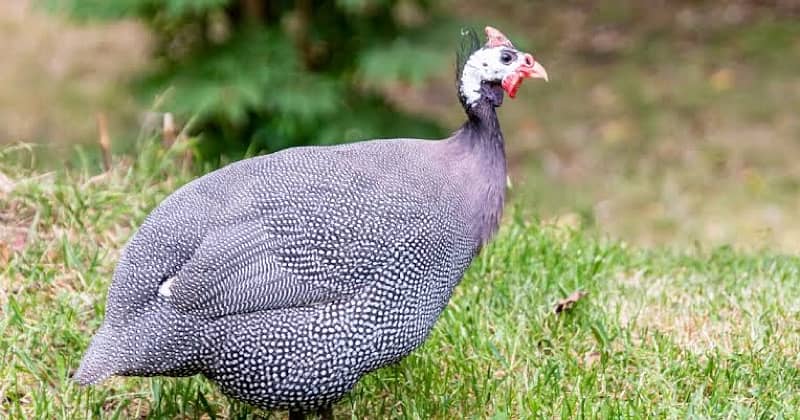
x=709, y=333
x=680, y=138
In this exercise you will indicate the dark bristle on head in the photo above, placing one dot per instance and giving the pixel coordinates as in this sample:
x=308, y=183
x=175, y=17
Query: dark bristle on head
x=469, y=44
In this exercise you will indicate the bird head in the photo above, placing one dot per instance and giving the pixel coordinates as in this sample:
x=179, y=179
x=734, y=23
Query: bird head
x=497, y=62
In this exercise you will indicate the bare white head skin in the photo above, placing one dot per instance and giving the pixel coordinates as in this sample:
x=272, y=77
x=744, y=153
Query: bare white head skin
x=497, y=61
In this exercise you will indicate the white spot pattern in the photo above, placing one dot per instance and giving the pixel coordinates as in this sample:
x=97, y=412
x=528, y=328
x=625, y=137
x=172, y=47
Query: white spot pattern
x=285, y=278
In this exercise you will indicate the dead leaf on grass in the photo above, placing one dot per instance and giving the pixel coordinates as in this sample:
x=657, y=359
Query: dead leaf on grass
x=590, y=358
x=6, y=184
x=567, y=303
x=12, y=240
x=5, y=254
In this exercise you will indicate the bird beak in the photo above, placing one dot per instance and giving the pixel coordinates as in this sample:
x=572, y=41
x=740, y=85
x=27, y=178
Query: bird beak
x=538, y=72
x=530, y=68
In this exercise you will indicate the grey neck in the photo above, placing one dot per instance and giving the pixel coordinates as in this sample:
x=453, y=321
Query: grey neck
x=482, y=137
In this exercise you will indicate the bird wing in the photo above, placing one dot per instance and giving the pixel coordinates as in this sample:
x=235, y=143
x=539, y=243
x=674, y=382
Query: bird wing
x=271, y=244
x=241, y=268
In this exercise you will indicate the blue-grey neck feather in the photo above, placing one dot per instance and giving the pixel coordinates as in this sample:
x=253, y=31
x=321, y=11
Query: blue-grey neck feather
x=481, y=137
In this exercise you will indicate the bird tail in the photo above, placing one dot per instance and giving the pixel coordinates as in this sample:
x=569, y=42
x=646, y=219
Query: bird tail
x=99, y=361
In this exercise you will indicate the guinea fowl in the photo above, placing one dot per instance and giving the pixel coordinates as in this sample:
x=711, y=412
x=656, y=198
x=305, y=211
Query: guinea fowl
x=285, y=278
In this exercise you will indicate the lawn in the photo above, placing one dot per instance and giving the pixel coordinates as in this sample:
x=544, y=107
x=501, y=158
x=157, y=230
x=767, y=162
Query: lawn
x=668, y=130
x=703, y=333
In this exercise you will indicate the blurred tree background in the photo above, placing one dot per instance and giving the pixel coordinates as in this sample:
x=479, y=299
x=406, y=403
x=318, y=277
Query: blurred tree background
x=259, y=76
x=664, y=121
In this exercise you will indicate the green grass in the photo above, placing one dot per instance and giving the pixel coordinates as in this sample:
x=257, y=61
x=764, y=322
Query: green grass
x=705, y=333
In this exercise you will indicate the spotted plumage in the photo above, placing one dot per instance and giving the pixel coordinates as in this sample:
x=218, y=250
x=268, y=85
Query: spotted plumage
x=285, y=278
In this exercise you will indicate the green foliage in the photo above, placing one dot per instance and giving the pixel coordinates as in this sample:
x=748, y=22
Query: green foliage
x=261, y=76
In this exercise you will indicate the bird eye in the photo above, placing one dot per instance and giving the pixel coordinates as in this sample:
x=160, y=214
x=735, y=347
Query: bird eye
x=506, y=57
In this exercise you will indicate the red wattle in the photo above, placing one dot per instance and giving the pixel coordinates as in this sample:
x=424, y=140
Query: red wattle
x=511, y=84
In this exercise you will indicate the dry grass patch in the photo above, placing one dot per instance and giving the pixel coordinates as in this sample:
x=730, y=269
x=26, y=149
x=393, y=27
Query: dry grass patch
x=703, y=313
